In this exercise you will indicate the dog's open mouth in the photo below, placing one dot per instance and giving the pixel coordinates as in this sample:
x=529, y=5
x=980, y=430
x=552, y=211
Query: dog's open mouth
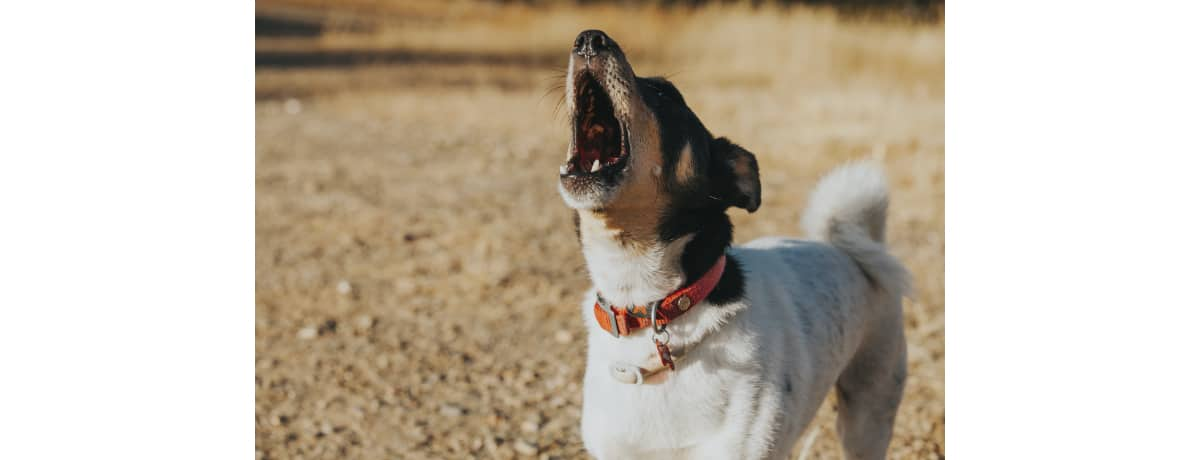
x=601, y=140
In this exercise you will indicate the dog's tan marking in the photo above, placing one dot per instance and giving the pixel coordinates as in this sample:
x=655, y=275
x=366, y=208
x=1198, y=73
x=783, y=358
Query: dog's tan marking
x=627, y=227
x=632, y=217
x=684, y=168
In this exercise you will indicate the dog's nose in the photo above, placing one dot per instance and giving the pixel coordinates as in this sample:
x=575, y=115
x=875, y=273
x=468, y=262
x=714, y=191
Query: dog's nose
x=592, y=42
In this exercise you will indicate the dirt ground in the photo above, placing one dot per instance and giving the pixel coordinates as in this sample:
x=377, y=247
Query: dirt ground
x=417, y=274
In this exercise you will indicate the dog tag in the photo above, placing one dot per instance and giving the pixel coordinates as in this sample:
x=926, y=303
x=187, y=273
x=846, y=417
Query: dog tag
x=625, y=373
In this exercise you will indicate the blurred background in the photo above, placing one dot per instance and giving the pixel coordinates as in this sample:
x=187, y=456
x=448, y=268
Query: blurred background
x=417, y=275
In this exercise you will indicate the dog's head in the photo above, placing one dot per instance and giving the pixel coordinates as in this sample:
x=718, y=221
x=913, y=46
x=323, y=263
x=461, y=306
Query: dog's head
x=636, y=146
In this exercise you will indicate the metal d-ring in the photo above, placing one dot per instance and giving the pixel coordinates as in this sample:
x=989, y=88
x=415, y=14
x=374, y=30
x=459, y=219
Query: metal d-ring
x=656, y=330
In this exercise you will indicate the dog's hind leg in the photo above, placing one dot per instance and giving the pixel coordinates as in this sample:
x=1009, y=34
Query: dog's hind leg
x=869, y=392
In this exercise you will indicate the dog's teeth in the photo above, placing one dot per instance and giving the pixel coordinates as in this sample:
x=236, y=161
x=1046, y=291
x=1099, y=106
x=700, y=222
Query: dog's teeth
x=595, y=165
x=562, y=170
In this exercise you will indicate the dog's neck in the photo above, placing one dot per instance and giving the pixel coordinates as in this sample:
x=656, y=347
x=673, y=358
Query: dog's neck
x=628, y=265
x=633, y=262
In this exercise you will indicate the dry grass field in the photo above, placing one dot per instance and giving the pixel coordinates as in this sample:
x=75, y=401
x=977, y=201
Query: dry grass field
x=417, y=274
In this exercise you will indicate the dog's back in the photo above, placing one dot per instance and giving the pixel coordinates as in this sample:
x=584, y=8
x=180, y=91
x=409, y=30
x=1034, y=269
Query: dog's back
x=834, y=307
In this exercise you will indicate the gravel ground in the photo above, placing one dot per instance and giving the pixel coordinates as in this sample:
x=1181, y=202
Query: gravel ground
x=418, y=276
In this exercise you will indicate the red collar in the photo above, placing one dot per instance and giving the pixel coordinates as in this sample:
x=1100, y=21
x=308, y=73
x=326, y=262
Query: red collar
x=625, y=321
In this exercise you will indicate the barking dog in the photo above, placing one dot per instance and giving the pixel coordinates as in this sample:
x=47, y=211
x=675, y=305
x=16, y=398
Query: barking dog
x=697, y=349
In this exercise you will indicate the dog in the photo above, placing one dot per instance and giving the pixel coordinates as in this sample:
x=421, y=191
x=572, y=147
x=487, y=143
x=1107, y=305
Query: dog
x=697, y=349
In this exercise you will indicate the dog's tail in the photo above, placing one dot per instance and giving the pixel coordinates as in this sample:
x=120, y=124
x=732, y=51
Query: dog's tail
x=848, y=209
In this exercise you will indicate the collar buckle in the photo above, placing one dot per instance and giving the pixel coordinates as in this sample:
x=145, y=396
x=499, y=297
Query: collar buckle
x=612, y=319
x=613, y=323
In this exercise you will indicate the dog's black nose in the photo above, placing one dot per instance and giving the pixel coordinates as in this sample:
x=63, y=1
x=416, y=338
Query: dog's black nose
x=592, y=42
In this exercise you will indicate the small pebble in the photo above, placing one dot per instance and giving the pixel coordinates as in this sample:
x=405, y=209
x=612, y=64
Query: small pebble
x=450, y=410
x=307, y=333
x=364, y=322
x=525, y=448
x=344, y=287
x=563, y=336
x=530, y=426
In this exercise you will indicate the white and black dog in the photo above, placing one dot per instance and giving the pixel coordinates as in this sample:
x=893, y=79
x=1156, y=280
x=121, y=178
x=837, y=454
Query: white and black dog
x=701, y=350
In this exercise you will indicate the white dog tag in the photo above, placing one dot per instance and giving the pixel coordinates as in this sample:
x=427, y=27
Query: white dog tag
x=625, y=373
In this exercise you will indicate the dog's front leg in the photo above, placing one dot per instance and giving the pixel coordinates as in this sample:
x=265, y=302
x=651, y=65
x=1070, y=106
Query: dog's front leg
x=748, y=428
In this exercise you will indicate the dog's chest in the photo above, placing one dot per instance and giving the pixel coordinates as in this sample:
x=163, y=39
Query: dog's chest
x=685, y=409
x=688, y=407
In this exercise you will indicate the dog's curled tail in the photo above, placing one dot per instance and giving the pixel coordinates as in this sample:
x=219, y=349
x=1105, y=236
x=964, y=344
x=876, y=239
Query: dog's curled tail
x=848, y=209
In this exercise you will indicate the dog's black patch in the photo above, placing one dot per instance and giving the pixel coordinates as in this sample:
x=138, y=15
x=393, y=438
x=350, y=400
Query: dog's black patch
x=713, y=234
x=698, y=205
x=678, y=126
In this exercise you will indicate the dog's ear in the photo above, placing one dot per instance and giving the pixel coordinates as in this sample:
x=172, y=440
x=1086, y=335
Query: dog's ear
x=733, y=174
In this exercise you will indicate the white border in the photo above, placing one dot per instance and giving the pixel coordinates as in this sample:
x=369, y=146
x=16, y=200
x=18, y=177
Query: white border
x=1072, y=230
x=126, y=243
x=126, y=230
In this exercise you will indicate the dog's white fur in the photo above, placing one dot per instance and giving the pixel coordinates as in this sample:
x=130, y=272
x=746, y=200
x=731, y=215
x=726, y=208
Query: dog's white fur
x=815, y=315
